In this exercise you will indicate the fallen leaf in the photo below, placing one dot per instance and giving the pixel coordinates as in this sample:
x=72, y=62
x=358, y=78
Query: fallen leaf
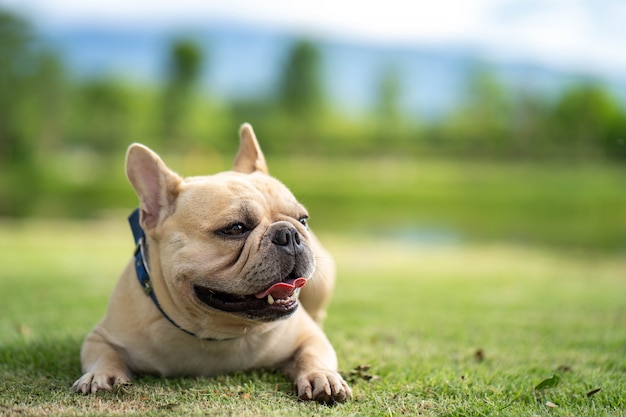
x=551, y=382
x=593, y=392
x=551, y=404
x=360, y=372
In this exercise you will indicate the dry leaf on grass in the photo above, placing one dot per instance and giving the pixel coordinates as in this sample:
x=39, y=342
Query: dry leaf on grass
x=360, y=372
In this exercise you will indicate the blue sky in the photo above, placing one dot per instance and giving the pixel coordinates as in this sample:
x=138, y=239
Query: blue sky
x=581, y=35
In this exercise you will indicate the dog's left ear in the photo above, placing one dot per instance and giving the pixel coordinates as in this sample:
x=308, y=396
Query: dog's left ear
x=249, y=156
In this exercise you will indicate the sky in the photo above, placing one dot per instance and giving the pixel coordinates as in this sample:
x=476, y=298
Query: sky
x=584, y=35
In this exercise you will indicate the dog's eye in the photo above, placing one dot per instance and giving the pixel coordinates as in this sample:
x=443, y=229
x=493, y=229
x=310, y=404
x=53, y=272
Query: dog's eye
x=304, y=220
x=235, y=229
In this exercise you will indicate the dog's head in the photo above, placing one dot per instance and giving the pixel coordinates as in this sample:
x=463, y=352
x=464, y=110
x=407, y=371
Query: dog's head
x=233, y=245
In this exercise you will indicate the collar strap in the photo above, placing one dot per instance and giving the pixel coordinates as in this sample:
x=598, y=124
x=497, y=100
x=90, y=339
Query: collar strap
x=143, y=273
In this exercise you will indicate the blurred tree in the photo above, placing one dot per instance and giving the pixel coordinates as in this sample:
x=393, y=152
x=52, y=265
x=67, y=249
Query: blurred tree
x=587, y=120
x=184, y=66
x=301, y=85
x=389, y=94
x=300, y=98
x=481, y=125
x=388, y=116
x=29, y=77
x=528, y=124
x=51, y=88
x=18, y=65
x=101, y=116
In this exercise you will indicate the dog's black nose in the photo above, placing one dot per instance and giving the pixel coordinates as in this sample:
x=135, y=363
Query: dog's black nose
x=286, y=236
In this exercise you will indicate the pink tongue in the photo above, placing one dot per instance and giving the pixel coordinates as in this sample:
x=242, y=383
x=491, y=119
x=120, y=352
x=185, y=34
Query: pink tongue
x=282, y=289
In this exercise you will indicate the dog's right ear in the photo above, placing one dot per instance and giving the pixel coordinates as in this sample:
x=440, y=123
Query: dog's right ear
x=155, y=184
x=249, y=157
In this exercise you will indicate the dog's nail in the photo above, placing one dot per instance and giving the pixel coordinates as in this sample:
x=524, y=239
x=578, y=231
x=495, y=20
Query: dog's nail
x=270, y=299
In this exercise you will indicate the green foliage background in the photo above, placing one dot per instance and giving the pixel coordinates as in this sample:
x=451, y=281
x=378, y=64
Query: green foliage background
x=504, y=163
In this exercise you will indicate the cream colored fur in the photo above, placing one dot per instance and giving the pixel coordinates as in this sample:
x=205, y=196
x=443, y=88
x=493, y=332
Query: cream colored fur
x=182, y=219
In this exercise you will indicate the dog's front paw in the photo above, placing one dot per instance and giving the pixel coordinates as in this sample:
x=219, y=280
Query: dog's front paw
x=326, y=387
x=100, y=381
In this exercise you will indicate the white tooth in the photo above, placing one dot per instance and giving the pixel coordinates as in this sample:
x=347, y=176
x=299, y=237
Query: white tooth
x=270, y=299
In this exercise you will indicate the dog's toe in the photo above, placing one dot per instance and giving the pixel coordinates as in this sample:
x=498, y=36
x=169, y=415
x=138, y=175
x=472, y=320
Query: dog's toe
x=91, y=383
x=323, y=386
x=83, y=384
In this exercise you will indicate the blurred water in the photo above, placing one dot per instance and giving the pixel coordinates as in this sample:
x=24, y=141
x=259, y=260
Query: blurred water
x=425, y=236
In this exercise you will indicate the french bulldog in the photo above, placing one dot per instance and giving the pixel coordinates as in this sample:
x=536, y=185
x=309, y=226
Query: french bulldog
x=222, y=264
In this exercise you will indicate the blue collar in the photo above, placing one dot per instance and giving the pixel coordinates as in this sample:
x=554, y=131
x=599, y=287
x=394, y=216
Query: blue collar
x=143, y=273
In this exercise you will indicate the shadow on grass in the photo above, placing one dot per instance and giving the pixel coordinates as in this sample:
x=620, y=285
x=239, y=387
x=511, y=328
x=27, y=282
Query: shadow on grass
x=58, y=360
x=36, y=376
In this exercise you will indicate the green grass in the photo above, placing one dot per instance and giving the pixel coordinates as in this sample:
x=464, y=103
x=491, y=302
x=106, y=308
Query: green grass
x=446, y=330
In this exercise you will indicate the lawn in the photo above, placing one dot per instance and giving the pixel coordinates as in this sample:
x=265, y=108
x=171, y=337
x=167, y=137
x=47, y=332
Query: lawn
x=439, y=328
